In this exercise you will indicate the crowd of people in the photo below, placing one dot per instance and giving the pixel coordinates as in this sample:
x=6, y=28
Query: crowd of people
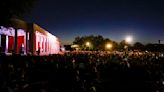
x=82, y=72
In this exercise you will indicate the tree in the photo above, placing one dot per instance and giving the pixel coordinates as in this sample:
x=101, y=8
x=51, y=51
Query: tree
x=122, y=45
x=154, y=47
x=150, y=47
x=96, y=42
x=138, y=46
x=77, y=40
x=115, y=45
x=14, y=8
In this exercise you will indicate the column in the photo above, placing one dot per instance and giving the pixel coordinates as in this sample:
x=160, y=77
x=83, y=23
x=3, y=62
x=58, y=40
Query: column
x=31, y=42
x=40, y=44
x=0, y=40
x=50, y=43
x=7, y=40
x=27, y=42
x=34, y=42
x=15, y=41
x=43, y=44
x=37, y=41
x=46, y=45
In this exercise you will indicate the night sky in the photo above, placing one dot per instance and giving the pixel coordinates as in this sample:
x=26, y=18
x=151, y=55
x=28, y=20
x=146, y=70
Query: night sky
x=114, y=19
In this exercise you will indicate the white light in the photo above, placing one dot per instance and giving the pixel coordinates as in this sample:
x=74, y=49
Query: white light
x=129, y=39
x=109, y=46
x=74, y=46
x=87, y=43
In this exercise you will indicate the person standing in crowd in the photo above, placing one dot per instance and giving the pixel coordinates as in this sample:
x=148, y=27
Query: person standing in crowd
x=38, y=52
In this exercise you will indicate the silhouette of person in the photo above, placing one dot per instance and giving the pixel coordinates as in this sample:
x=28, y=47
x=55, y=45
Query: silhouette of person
x=38, y=52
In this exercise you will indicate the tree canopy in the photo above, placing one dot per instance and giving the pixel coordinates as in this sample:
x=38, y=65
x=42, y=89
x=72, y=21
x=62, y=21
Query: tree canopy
x=96, y=42
x=99, y=42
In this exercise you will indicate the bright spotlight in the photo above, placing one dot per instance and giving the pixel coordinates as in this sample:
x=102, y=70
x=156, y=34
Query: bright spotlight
x=129, y=39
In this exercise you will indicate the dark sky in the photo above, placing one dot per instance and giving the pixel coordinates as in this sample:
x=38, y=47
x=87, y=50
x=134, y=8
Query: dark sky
x=114, y=19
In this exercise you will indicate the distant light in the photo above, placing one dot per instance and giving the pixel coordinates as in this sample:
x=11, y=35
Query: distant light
x=109, y=46
x=62, y=49
x=74, y=46
x=129, y=39
x=87, y=43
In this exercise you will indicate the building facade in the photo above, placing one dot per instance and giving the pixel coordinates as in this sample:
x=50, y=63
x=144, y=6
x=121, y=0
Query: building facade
x=22, y=37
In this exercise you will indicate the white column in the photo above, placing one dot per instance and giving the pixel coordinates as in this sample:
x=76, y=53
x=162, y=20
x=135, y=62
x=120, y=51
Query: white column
x=24, y=36
x=47, y=44
x=27, y=40
x=50, y=45
x=7, y=40
x=0, y=40
x=48, y=48
x=36, y=41
x=41, y=39
x=43, y=44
